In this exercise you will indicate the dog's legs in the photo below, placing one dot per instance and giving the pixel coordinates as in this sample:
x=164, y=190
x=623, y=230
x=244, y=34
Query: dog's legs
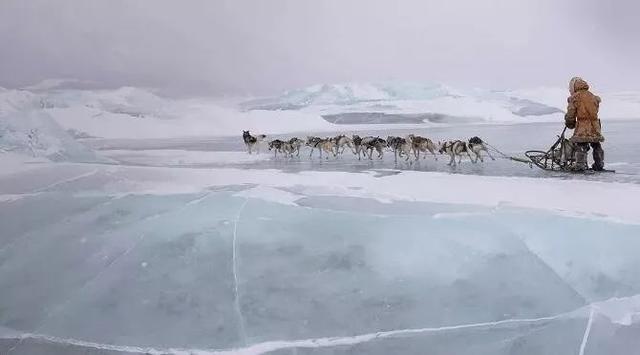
x=489, y=154
x=432, y=152
x=469, y=155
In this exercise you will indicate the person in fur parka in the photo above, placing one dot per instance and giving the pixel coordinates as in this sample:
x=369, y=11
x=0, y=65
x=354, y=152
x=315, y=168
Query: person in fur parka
x=582, y=117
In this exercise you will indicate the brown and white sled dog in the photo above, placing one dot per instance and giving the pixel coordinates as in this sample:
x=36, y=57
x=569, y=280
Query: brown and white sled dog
x=322, y=144
x=422, y=144
x=370, y=143
x=455, y=149
x=341, y=142
x=476, y=146
x=252, y=141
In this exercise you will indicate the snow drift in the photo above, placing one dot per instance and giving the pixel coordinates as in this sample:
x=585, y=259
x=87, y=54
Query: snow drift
x=27, y=129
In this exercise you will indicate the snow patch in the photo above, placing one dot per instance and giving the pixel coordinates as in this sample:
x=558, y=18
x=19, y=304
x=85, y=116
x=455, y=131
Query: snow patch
x=270, y=194
x=583, y=199
x=623, y=311
x=176, y=157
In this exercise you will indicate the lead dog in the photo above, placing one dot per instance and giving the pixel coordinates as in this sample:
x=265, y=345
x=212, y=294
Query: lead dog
x=252, y=141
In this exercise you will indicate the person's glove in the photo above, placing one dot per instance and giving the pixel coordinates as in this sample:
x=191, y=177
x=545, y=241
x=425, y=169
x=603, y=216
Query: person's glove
x=571, y=124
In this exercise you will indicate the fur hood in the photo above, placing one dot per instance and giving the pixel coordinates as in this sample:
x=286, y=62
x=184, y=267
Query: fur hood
x=577, y=84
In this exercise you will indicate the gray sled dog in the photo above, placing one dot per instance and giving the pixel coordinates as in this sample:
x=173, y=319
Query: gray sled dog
x=277, y=146
x=295, y=144
x=400, y=146
x=371, y=143
x=357, y=145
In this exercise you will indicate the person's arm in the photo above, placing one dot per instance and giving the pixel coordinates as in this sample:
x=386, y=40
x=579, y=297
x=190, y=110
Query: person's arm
x=570, y=116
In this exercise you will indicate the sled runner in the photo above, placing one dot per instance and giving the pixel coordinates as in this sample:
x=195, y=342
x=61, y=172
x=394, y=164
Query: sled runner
x=560, y=157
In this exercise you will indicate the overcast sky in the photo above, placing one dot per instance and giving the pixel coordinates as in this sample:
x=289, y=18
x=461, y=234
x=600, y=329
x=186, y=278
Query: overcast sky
x=264, y=46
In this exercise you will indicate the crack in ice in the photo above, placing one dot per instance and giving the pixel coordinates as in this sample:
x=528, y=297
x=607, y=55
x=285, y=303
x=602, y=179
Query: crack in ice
x=270, y=346
x=587, y=331
x=110, y=264
x=234, y=259
x=64, y=181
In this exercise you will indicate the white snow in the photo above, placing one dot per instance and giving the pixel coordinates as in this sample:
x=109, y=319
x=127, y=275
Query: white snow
x=270, y=194
x=12, y=162
x=177, y=157
x=590, y=199
x=624, y=311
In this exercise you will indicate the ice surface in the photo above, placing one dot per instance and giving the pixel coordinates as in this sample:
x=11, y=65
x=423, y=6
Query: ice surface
x=154, y=257
x=157, y=272
x=191, y=246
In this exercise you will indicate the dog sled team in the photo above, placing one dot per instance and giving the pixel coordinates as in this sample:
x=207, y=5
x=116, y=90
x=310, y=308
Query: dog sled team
x=581, y=116
x=408, y=148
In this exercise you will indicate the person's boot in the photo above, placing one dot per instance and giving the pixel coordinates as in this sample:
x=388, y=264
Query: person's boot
x=581, y=157
x=598, y=157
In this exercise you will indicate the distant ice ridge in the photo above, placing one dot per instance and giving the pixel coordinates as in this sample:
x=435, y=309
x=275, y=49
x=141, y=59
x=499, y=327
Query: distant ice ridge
x=399, y=96
x=28, y=130
x=130, y=112
x=139, y=113
x=464, y=106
